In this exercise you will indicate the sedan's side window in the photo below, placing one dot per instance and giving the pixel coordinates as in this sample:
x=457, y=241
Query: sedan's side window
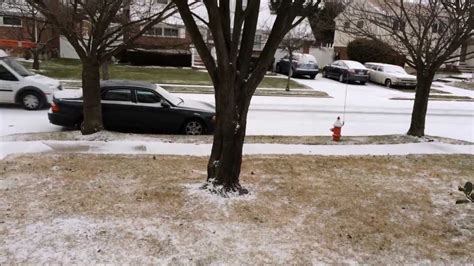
x=119, y=95
x=380, y=69
x=147, y=97
x=6, y=75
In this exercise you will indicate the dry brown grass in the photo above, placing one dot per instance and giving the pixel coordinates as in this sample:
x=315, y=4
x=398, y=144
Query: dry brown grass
x=302, y=209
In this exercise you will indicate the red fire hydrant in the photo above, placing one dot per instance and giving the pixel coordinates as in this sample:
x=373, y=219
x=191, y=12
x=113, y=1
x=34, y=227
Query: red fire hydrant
x=336, y=130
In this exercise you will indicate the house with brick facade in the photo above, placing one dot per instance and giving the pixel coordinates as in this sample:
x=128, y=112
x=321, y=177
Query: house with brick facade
x=23, y=28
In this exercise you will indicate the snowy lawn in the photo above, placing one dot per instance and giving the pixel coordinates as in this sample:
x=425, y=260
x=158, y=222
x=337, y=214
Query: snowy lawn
x=71, y=69
x=301, y=210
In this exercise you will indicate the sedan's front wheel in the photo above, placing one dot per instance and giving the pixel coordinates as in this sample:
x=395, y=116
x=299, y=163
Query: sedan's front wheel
x=388, y=83
x=194, y=127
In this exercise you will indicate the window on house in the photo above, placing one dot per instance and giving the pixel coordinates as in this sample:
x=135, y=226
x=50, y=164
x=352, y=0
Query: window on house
x=163, y=32
x=11, y=21
x=154, y=32
x=435, y=28
x=360, y=24
x=347, y=25
x=399, y=25
x=257, y=42
x=170, y=32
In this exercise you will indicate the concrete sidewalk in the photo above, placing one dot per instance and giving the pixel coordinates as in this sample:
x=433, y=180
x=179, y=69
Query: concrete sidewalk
x=142, y=147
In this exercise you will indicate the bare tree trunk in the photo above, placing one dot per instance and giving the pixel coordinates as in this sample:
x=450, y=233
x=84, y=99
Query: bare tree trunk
x=420, y=107
x=290, y=72
x=226, y=156
x=92, y=108
x=105, y=70
x=36, y=63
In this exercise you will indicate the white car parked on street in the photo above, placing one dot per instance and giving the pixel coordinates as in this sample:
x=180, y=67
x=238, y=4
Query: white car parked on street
x=390, y=75
x=18, y=85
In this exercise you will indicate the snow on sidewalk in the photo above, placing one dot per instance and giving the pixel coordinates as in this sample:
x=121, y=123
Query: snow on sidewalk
x=140, y=147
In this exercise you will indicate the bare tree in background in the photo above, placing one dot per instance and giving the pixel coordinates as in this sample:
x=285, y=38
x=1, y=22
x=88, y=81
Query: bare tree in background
x=98, y=30
x=322, y=22
x=428, y=32
x=233, y=25
x=36, y=26
x=293, y=42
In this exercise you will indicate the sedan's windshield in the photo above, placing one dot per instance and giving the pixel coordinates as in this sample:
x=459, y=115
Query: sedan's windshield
x=19, y=68
x=394, y=69
x=168, y=96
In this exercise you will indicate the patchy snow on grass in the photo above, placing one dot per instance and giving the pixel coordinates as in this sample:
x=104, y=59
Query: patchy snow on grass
x=197, y=192
x=76, y=209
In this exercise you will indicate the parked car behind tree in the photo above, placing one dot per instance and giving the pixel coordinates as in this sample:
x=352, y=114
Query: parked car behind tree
x=390, y=75
x=136, y=106
x=346, y=71
x=302, y=65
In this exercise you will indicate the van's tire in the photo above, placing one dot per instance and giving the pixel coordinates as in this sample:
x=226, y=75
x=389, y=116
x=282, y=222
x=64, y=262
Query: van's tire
x=32, y=100
x=388, y=83
x=312, y=76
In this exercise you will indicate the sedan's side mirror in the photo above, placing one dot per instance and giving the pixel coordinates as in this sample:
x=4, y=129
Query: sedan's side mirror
x=165, y=104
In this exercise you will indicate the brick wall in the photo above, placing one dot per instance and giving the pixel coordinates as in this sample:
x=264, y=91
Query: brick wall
x=22, y=34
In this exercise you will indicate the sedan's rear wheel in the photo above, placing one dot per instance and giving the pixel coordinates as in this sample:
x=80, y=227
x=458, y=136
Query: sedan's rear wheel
x=31, y=100
x=325, y=75
x=194, y=127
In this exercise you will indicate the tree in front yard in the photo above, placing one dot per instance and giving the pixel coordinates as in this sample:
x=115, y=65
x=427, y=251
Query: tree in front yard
x=293, y=42
x=98, y=30
x=233, y=25
x=429, y=33
x=322, y=23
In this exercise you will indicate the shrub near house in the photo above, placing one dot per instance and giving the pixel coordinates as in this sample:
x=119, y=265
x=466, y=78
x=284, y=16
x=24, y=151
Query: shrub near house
x=364, y=50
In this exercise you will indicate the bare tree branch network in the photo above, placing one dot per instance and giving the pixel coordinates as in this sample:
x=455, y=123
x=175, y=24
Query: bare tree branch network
x=233, y=26
x=429, y=33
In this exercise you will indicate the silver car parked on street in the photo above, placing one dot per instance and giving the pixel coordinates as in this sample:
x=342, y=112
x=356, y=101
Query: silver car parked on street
x=390, y=75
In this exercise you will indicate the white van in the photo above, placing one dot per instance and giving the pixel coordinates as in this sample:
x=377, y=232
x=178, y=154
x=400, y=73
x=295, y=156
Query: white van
x=18, y=85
